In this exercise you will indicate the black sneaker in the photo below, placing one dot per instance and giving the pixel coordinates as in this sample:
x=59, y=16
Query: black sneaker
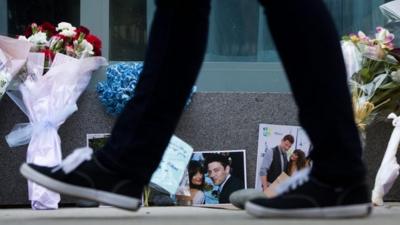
x=87, y=179
x=305, y=197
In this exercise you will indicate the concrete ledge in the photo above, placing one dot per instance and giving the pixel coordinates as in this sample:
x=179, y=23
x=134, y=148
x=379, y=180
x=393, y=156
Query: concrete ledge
x=214, y=121
x=178, y=216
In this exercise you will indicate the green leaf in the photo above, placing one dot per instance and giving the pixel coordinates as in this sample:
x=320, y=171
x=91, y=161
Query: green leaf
x=390, y=85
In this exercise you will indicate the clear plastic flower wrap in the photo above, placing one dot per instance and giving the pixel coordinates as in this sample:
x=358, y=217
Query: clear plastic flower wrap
x=48, y=100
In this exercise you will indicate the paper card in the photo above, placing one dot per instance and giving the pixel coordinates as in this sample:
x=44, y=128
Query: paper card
x=172, y=166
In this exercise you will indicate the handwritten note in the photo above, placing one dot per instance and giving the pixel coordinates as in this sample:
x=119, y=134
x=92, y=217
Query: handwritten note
x=172, y=167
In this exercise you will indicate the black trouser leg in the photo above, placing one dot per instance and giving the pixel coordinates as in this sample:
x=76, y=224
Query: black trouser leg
x=175, y=52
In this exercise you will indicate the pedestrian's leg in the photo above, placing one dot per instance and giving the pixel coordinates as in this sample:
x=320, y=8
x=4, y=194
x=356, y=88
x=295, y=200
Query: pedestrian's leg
x=175, y=52
x=310, y=52
x=116, y=174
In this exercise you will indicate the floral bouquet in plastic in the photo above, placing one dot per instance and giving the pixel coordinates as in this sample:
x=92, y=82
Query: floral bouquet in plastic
x=58, y=70
x=374, y=74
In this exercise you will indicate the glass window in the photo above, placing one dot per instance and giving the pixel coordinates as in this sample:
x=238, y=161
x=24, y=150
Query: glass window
x=240, y=56
x=127, y=30
x=239, y=31
x=24, y=12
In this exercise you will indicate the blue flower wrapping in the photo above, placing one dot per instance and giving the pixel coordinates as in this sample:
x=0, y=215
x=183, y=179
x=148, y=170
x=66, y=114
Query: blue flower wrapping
x=119, y=86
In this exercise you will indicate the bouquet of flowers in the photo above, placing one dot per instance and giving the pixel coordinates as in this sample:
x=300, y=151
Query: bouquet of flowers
x=120, y=85
x=374, y=74
x=65, y=39
x=58, y=70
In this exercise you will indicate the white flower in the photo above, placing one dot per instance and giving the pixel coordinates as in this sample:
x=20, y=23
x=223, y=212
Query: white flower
x=383, y=35
x=64, y=26
x=66, y=29
x=39, y=38
x=362, y=35
x=84, y=48
x=68, y=33
x=395, y=75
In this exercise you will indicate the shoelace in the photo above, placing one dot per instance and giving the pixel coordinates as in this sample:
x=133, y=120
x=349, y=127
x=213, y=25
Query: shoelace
x=296, y=180
x=72, y=161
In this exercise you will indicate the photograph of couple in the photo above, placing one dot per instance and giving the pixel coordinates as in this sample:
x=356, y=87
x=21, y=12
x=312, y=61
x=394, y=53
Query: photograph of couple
x=213, y=176
x=282, y=151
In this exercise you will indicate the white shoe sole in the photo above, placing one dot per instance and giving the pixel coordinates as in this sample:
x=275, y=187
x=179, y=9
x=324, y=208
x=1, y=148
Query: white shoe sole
x=120, y=201
x=239, y=198
x=351, y=211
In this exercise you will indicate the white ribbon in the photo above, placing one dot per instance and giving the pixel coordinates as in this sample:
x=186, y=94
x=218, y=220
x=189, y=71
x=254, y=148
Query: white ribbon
x=22, y=132
x=72, y=161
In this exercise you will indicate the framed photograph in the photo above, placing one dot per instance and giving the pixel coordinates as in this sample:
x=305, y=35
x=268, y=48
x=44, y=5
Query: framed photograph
x=96, y=141
x=282, y=150
x=214, y=175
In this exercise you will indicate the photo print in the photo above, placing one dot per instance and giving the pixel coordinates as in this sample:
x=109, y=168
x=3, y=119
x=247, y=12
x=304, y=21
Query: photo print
x=282, y=150
x=214, y=175
x=96, y=141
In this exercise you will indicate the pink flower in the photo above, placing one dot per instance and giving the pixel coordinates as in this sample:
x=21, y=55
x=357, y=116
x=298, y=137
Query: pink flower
x=69, y=50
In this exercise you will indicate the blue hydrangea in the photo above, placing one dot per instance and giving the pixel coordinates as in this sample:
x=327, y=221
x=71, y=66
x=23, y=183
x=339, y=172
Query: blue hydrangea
x=119, y=86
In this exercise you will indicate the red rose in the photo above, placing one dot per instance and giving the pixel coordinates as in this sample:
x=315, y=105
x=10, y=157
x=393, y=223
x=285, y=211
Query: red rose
x=28, y=31
x=81, y=30
x=49, y=28
x=96, y=42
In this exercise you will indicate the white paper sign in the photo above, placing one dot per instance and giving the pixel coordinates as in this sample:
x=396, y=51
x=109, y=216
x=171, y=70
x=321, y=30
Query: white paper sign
x=172, y=166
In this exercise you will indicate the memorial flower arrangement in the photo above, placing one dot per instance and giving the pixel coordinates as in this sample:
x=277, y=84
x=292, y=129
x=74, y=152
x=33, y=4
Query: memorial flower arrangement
x=76, y=42
x=58, y=70
x=374, y=74
x=120, y=84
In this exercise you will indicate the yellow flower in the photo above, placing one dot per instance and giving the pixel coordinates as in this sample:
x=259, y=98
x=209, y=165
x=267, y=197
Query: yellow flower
x=354, y=38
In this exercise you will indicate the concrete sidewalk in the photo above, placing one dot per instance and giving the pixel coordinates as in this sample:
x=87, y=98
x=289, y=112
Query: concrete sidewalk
x=389, y=214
